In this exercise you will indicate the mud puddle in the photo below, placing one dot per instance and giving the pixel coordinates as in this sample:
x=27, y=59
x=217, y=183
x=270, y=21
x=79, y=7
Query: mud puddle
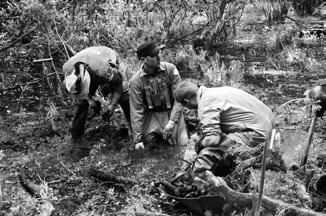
x=149, y=165
x=294, y=143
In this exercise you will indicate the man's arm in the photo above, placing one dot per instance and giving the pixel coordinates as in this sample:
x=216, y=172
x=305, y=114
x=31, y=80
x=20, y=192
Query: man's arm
x=116, y=94
x=116, y=86
x=137, y=110
x=177, y=107
x=209, y=117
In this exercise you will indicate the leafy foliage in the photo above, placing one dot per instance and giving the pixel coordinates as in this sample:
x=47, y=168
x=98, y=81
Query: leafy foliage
x=306, y=7
x=33, y=29
x=274, y=10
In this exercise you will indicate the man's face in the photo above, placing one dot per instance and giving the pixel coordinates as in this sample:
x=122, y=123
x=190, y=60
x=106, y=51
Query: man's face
x=192, y=102
x=152, y=61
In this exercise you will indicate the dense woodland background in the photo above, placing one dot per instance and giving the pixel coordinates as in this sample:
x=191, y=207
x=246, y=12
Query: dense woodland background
x=195, y=33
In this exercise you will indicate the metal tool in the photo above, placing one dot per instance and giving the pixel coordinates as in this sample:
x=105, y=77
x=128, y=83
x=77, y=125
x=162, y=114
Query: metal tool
x=262, y=177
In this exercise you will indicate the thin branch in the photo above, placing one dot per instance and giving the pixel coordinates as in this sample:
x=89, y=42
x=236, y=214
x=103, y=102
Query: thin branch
x=17, y=40
x=296, y=22
x=187, y=35
x=49, y=50
x=28, y=83
x=32, y=82
x=63, y=43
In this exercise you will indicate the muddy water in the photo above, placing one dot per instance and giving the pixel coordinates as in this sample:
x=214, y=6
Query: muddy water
x=293, y=125
x=153, y=164
x=294, y=143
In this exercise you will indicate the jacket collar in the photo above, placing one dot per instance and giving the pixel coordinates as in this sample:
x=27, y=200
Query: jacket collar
x=200, y=92
x=143, y=73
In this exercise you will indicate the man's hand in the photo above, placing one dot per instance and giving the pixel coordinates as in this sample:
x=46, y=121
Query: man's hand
x=107, y=115
x=96, y=106
x=168, y=130
x=111, y=109
x=139, y=146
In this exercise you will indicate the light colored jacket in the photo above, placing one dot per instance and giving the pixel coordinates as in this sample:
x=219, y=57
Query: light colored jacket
x=99, y=59
x=227, y=109
x=101, y=63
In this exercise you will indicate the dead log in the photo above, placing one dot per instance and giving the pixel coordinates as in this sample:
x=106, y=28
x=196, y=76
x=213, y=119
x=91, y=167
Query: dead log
x=110, y=177
x=245, y=199
x=45, y=207
x=33, y=189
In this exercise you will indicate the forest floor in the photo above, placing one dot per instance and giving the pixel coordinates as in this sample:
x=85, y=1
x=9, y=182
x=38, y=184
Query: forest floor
x=29, y=145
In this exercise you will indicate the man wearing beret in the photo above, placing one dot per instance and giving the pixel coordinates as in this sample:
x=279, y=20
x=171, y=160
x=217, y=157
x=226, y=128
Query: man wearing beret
x=84, y=73
x=156, y=118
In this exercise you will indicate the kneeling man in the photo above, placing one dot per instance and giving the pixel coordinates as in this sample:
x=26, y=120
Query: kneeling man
x=227, y=115
x=156, y=117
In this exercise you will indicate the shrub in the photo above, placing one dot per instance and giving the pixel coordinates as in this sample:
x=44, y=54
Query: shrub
x=42, y=28
x=306, y=7
x=274, y=10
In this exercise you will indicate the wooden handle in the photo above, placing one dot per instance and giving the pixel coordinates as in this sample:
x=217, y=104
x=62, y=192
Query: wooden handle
x=309, y=140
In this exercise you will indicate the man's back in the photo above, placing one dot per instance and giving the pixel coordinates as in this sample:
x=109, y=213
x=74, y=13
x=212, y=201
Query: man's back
x=99, y=60
x=238, y=110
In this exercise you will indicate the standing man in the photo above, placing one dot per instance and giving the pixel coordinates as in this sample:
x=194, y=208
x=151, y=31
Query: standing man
x=227, y=115
x=156, y=117
x=84, y=73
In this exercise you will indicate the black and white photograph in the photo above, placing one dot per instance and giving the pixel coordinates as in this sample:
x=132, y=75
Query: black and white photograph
x=162, y=108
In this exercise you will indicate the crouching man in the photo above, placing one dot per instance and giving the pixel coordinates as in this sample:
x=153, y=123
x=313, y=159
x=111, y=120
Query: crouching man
x=156, y=117
x=318, y=94
x=228, y=116
x=84, y=73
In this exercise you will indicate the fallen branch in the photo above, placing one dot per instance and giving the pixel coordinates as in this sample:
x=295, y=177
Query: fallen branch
x=17, y=40
x=245, y=199
x=33, y=189
x=170, y=44
x=296, y=22
x=45, y=207
x=28, y=83
x=109, y=177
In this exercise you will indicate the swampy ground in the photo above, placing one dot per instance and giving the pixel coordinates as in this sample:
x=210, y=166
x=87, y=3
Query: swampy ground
x=37, y=143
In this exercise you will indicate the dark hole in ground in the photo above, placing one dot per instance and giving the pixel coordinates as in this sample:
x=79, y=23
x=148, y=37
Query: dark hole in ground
x=321, y=185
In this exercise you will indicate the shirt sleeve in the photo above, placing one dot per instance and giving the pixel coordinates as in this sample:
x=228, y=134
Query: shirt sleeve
x=177, y=107
x=209, y=116
x=137, y=110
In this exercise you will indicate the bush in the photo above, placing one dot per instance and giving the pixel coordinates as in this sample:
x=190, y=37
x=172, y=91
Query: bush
x=274, y=10
x=306, y=7
x=42, y=28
